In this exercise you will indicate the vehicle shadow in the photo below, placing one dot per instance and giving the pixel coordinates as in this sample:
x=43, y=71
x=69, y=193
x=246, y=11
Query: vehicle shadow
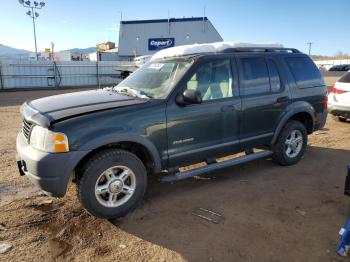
x=335, y=118
x=269, y=211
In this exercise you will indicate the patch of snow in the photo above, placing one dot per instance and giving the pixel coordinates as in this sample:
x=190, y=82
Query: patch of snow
x=4, y=248
x=207, y=48
x=122, y=246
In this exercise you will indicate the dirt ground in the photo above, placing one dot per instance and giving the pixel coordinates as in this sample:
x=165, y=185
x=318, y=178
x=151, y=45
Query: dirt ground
x=269, y=212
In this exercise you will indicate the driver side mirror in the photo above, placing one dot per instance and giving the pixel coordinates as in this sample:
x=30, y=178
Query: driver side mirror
x=188, y=97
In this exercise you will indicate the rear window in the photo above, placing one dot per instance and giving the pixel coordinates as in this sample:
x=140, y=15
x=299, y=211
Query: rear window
x=305, y=72
x=345, y=78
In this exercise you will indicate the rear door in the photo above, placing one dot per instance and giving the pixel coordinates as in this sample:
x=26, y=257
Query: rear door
x=264, y=98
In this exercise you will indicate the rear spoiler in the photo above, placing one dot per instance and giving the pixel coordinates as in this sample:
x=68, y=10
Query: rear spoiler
x=32, y=115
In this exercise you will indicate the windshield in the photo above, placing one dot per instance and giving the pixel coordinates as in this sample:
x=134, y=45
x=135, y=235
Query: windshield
x=156, y=79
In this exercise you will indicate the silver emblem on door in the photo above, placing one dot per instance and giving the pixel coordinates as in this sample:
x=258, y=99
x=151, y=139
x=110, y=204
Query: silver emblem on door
x=181, y=141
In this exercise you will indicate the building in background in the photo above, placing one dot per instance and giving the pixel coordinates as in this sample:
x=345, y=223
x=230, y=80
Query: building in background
x=59, y=56
x=42, y=56
x=108, y=55
x=105, y=46
x=145, y=37
x=142, y=38
x=69, y=56
x=326, y=64
x=106, y=51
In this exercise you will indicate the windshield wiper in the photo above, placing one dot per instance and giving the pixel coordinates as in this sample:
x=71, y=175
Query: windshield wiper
x=130, y=92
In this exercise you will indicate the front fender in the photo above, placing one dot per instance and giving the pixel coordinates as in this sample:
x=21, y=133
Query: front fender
x=295, y=108
x=113, y=138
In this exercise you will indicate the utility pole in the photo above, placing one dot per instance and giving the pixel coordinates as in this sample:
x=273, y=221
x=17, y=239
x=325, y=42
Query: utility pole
x=310, y=44
x=204, y=19
x=120, y=26
x=52, y=51
x=33, y=15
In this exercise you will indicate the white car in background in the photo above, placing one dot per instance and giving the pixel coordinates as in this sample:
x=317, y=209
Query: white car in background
x=141, y=60
x=339, y=98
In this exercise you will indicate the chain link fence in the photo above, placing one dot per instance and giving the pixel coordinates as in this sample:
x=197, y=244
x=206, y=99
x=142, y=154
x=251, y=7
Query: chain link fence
x=56, y=74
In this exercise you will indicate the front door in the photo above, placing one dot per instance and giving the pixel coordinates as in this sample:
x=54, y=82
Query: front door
x=201, y=131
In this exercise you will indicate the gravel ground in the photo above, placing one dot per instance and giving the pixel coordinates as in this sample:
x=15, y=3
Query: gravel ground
x=269, y=213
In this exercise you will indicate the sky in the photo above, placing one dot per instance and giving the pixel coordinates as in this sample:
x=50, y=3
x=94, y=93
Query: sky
x=82, y=24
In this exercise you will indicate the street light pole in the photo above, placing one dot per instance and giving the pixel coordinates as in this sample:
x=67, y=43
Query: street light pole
x=33, y=15
x=36, y=48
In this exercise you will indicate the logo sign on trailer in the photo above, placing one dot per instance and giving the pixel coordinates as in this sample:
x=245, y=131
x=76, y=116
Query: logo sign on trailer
x=155, y=44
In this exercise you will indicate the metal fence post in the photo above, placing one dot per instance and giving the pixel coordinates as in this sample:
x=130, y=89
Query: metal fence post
x=97, y=74
x=1, y=82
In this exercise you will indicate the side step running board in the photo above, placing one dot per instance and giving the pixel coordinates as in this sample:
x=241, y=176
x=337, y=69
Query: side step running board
x=215, y=166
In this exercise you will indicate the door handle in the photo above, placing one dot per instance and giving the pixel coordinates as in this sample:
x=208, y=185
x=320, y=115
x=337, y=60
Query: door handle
x=227, y=108
x=283, y=99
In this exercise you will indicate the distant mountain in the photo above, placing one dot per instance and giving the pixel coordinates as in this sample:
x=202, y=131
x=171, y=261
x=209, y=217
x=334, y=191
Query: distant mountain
x=10, y=51
x=83, y=51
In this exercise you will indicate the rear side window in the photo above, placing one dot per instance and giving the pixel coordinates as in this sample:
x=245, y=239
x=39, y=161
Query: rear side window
x=305, y=72
x=254, y=76
x=275, y=81
x=345, y=78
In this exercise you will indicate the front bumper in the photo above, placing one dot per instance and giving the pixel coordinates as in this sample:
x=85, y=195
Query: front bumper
x=339, y=111
x=50, y=172
x=337, y=108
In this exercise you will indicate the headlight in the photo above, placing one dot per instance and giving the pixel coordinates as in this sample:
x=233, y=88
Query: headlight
x=48, y=141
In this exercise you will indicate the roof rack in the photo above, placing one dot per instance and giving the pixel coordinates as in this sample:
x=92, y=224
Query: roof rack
x=260, y=49
x=221, y=47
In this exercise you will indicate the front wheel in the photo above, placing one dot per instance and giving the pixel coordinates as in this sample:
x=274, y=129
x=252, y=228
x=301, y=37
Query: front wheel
x=112, y=183
x=291, y=144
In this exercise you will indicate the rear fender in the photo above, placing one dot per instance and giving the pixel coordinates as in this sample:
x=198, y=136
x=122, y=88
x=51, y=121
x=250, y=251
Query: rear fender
x=295, y=108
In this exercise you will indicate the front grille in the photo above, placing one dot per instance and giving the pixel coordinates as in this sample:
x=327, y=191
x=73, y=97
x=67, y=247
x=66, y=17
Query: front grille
x=26, y=128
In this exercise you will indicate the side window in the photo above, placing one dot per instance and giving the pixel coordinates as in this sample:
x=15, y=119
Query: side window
x=275, y=81
x=305, y=72
x=213, y=80
x=254, y=76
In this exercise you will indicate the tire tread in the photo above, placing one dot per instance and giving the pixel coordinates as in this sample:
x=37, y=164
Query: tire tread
x=278, y=155
x=91, y=163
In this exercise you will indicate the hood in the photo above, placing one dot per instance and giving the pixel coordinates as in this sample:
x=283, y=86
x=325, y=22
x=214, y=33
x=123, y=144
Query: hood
x=50, y=109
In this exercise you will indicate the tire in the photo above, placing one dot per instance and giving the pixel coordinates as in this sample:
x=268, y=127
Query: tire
x=341, y=119
x=281, y=154
x=112, y=183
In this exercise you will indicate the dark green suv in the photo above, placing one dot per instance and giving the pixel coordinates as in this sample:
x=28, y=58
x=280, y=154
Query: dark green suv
x=180, y=108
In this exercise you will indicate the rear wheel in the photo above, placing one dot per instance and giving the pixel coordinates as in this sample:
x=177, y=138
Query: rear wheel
x=342, y=119
x=291, y=144
x=112, y=183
